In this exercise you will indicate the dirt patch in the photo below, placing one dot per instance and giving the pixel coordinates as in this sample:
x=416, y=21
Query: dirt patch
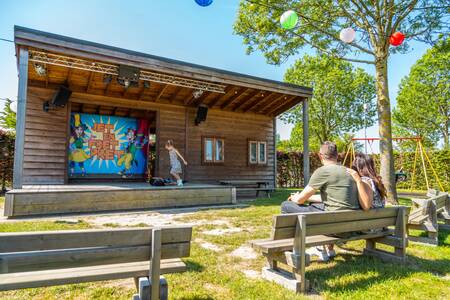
x=222, y=231
x=208, y=245
x=244, y=252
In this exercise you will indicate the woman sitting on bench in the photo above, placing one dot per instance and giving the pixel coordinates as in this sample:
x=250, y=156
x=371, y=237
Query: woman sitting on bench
x=371, y=191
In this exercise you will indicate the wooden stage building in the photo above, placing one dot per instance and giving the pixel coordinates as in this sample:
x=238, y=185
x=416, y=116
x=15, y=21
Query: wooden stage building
x=91, y=115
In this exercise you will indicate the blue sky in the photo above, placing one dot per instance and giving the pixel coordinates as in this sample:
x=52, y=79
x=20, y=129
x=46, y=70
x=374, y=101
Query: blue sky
x=178, y=29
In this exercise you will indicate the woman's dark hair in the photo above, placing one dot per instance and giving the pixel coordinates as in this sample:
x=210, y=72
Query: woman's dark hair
x=365, y=166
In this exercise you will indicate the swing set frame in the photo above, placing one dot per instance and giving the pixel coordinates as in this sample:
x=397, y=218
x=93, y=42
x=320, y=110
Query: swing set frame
x=420, y=151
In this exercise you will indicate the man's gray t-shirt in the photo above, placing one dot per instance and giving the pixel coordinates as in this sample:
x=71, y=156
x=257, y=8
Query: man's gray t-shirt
x=337, y=188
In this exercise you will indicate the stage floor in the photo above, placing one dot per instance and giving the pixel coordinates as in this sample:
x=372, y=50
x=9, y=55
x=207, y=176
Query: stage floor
x=93, y=197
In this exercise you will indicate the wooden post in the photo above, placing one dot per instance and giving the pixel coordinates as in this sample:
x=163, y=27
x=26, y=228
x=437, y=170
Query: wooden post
x=299, y=252
x=20, y=118
x=305, y=142
x=155, y=263
x=275, y=153
x=400, y=232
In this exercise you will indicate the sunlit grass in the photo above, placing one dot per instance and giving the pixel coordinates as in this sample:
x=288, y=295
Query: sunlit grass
x=219, y=275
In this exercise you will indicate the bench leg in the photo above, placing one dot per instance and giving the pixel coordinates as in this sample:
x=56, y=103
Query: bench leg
x=145, y=288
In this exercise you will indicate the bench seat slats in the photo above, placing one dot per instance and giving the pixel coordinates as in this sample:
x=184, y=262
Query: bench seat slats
x=85, y=274
x=269, y=246
x=50, y=240
x=290, y=220
x=28, y=261
x=334, y=228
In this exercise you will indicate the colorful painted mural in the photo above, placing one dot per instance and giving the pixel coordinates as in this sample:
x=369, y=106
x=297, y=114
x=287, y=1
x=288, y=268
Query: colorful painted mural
x=107, y=145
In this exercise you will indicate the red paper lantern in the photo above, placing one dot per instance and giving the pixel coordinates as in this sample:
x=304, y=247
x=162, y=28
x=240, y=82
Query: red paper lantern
x=397, y=39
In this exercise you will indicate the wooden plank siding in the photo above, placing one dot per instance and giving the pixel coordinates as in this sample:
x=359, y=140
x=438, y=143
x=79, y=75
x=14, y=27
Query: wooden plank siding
x=45, y=148
x=236, y=128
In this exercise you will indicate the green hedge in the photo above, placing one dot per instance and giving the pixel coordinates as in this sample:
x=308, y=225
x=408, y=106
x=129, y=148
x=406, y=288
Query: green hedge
x=6, y=158
x=290, y=168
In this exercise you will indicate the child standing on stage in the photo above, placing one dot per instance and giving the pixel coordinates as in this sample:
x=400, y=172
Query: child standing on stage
x=175, y=166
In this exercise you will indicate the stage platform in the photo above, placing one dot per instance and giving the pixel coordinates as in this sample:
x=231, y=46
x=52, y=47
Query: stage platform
x=78, y=198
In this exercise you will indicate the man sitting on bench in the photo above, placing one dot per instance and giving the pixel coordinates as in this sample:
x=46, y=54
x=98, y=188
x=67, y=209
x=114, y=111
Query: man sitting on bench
x=338, y=191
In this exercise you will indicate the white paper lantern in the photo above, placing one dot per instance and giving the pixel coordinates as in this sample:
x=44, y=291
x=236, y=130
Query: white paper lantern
x=13, y=106
x=347, y=35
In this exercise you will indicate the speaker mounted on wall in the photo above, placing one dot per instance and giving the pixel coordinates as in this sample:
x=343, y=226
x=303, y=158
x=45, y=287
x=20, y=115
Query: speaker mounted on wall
x=202, y=112
x=60, y=98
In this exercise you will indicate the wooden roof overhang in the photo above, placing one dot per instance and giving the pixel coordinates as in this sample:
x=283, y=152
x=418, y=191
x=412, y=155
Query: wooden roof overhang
x=90, y=70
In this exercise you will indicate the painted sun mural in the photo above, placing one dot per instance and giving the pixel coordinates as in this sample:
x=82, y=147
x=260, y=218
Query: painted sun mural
x=107, y=145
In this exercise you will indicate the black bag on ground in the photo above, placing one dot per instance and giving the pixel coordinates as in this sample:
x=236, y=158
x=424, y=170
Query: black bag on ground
x=157, y=181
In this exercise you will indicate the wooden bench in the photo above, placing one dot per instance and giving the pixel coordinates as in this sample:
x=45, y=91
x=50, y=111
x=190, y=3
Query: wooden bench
x=40, y=259
x=293, y=233
x=425, y=214
x=250, y=186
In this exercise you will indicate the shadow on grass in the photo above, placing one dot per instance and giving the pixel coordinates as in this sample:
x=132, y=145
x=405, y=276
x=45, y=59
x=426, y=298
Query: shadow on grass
x=366, y=271
x=198, y=298
x=193, y=266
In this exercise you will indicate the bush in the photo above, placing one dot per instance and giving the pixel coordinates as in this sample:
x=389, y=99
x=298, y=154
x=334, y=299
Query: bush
x=290, y=168
x=6, y=158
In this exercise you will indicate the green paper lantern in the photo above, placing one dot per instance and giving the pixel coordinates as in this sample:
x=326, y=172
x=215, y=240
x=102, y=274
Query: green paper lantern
x=289, y=19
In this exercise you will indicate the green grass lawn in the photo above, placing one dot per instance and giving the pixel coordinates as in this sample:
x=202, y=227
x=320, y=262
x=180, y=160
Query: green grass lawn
x=219, y=275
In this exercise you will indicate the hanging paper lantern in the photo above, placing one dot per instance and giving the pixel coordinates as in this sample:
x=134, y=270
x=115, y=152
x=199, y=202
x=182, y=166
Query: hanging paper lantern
x=13, y=106
x=204, y=3
x=289, y=19
x=396, y=39
x=347, y=35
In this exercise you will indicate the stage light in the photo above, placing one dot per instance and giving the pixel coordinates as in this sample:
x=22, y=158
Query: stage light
x=197, y=93
x=40, y=69
x=147, y=84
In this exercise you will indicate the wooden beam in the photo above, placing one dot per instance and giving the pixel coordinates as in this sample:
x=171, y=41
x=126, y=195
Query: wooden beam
x=236, y=98
x=287, y=106
x=175, y=95
x=69, y=77
x=246, y=100
x=250, y=104
x=106, y=90
x=91, y=76
x=20, y=118
x=258, y=106
x=229, y=90
x=161, y=92
x=305, y=142
x=275, y=104
x=271, y=109
x=141, y=92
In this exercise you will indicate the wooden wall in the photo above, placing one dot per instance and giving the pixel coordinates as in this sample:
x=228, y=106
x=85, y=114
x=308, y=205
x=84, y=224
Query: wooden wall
x=46, y=137
x=235, y=128
x=45, y=145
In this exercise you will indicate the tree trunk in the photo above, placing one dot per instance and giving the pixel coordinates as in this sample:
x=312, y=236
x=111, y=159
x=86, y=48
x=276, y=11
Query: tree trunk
x=385, y=130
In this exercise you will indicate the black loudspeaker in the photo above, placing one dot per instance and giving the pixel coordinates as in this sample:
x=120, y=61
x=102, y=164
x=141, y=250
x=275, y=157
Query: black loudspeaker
x=60, y=98
x=202, y=112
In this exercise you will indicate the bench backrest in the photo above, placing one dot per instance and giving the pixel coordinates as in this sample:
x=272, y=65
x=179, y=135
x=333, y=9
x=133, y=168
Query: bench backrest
x=28, y=251
x=333, y=222
x=440, y=200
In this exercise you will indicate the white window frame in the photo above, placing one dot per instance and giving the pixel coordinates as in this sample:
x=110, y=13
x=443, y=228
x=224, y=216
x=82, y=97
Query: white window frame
x=214, y=150
x=258, y=160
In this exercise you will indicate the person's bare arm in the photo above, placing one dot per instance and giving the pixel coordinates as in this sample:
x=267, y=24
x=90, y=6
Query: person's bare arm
x=181, y=156
x=302, y=197
x=365, y=193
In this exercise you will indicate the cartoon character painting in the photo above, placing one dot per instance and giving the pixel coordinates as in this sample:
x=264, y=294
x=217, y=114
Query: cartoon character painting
x=77, y=155
x=128, y=159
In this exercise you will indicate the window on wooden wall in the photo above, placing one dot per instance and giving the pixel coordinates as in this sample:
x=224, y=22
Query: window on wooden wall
x=257, y=152
x=213, y=150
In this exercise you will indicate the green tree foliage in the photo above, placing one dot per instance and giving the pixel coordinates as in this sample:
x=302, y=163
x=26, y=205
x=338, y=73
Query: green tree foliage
x=340, y=92
x=320, y=23
x=423, y=102
x=7, y=116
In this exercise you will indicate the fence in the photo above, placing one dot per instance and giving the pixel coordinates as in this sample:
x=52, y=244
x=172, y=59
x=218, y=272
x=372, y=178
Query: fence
x=6, y=158
x=290, y=168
